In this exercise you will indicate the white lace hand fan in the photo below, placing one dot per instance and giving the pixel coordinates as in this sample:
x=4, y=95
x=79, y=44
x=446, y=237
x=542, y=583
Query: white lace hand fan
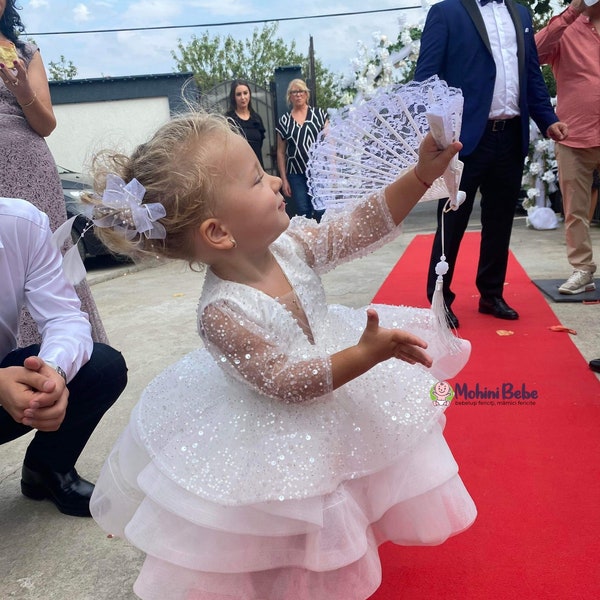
x=369, y=145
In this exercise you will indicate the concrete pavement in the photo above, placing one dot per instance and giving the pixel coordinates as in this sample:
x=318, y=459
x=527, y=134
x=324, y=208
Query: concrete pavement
x=150, y=316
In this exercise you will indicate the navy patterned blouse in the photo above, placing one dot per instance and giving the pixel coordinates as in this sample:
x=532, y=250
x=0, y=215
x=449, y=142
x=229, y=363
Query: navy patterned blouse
x=300, y=138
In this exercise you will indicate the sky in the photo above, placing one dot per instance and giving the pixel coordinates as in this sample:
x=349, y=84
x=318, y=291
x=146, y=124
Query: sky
x=335, y=39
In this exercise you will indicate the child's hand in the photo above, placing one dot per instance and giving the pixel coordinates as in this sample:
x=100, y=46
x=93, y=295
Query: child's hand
x=379, y=344
x=433, y=161
x=376, y=344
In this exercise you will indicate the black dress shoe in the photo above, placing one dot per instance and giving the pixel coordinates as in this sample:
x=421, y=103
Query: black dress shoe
x=451, y=318
x=70, y=493
x=498, y=308
x=595, y=365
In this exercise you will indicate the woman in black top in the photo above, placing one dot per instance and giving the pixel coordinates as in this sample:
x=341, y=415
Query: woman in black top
x=245, y=117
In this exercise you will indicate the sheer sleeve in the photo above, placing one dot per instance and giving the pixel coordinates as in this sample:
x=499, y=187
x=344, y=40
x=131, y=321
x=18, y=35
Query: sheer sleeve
x=343, y=235
x=253, y=353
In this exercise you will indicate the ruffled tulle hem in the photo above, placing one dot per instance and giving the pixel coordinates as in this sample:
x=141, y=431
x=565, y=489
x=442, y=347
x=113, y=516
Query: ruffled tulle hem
x=320, y=547
x=426, y=520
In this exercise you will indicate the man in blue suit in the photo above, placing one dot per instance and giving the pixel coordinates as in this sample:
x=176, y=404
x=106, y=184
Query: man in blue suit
x=487, y=49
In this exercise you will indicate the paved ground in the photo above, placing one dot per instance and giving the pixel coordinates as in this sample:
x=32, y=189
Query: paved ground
x=150, y=316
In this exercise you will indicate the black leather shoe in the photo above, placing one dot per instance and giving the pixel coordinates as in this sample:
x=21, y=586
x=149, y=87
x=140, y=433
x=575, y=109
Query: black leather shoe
x=70, y=493
x=595, y=365
x=451, y=318
x=498, y=308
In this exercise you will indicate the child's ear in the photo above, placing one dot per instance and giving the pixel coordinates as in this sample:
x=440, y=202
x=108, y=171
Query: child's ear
x=215, y=234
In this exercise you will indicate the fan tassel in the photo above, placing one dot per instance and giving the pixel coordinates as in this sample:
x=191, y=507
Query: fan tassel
x=438, y=308
x=450, y=352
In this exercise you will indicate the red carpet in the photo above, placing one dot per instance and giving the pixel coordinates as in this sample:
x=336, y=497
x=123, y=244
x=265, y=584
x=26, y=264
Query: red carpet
x=533, y=469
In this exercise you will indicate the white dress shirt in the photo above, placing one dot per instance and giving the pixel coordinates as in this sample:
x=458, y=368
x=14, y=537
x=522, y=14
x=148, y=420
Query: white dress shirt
x=503, y=41
x=31, y=275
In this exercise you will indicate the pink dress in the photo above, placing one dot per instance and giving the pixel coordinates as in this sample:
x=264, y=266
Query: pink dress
x=243, y=474
x=28, y=171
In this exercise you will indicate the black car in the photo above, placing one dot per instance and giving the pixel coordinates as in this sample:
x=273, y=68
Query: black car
x=74, y=185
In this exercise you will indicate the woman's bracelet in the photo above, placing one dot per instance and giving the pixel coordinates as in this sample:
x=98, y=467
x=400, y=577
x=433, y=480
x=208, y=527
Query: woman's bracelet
x=427, y=185
x=30, y=102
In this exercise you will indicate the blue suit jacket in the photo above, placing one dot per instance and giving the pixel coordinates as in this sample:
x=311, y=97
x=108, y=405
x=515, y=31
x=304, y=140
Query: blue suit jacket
x=456, y=48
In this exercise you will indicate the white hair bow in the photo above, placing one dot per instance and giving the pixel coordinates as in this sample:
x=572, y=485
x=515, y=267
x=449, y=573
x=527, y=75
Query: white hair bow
x=131, y=216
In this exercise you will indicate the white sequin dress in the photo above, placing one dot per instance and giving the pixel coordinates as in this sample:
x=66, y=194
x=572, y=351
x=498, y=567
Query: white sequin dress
x=243, y=475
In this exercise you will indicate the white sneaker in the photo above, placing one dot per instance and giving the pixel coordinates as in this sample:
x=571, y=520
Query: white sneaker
x=579, y=282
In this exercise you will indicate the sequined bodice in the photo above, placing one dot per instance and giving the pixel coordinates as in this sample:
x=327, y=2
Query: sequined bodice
x=280, y=352
x=291, y=303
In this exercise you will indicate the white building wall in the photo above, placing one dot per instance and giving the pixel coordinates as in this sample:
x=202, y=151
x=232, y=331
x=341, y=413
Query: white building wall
x=84, y=129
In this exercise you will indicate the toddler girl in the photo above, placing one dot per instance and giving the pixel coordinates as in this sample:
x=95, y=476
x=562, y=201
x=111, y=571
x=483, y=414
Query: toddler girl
x=272, y=463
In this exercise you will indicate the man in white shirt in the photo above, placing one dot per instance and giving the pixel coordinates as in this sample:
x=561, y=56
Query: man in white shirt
x=487, y=49
x=61, y=388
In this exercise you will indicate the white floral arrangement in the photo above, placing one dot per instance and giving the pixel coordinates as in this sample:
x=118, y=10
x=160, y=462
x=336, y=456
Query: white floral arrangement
x=540, y=174
x=539, y=181
x=386, y=62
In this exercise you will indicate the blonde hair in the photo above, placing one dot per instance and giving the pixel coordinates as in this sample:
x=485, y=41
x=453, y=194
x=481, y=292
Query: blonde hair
x=300, y=85
x=175, y=168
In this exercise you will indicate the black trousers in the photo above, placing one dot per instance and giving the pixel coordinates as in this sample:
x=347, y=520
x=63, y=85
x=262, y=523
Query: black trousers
x=91, y=393
x=496, y=168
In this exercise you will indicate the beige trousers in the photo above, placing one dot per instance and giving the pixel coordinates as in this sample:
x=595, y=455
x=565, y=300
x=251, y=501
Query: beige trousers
x=575, y=169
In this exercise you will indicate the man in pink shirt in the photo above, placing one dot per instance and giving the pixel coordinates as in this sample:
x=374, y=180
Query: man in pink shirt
x=570, y=43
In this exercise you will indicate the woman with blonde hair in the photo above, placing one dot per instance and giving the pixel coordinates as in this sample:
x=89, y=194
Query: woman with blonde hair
x=297, y=130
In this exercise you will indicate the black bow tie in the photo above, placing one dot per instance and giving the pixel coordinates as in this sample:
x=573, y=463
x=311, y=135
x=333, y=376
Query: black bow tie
x=484, y=2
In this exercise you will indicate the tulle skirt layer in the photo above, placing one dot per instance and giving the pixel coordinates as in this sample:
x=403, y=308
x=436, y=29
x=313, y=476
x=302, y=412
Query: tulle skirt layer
x=324, y=547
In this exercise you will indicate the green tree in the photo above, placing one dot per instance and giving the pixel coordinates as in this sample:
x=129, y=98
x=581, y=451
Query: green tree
x=63, y=70
x=214, y=59
x=327, y=85
x=543, y=10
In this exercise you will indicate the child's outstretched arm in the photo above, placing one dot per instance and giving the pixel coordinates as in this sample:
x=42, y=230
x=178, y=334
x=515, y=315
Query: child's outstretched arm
x=253, y=355
x=376, y=345
x=405, y=192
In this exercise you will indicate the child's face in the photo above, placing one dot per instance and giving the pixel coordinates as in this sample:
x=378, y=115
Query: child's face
x=249, y=200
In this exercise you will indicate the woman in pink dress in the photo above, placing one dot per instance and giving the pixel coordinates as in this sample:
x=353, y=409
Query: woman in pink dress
x=27, y=168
